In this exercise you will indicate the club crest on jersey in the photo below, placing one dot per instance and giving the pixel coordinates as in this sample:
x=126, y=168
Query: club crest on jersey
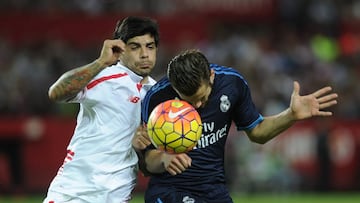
x=224, y=103
x=188, y=199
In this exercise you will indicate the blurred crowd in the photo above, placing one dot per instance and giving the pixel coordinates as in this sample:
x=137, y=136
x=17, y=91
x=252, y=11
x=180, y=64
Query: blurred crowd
x=306, y=43
x=93, y=7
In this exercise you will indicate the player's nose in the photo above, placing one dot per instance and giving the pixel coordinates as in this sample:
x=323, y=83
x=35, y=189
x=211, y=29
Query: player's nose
x=144, y=52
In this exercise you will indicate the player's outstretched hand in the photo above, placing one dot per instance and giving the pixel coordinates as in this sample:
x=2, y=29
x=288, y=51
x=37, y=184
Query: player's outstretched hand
x=141, y=138
x=176, y=163
x=310, y=105
x=111, y=51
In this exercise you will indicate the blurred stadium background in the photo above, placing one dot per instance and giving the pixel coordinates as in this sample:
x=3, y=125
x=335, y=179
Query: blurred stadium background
x=272, y=42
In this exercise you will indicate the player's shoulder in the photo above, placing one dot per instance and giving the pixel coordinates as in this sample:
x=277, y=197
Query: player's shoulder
x=226, y=73
x=116, y=69
x=225, y=70
x=161, y=85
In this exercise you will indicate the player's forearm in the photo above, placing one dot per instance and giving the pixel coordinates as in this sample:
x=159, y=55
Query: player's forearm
x=154, y=162
x=271, y=127
x=73, y=81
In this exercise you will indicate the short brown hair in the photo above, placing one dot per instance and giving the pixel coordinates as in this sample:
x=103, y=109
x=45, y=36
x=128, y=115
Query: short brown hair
x=133, y=26
x=188, y=70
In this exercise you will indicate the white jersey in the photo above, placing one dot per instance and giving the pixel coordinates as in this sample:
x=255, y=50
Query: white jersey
x=100, y=158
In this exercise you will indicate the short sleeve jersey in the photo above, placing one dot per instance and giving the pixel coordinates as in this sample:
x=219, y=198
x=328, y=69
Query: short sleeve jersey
x=229, y=102
x=100, y=149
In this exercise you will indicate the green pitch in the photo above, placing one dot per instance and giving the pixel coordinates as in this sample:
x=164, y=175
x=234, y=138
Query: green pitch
x=255, y=198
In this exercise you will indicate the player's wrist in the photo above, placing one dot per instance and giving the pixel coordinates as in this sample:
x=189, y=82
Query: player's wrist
x=100, y=63
x=290, y=115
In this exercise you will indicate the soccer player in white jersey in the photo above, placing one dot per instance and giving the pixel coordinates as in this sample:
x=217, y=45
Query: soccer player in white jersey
x=101, y=163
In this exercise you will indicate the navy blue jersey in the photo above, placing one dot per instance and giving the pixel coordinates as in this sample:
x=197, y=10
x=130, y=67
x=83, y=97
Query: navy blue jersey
x=229, y=102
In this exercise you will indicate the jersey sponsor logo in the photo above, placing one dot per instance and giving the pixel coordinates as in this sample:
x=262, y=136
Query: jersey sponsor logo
x=134, y=99
x=210, y=137
x=224, y=103
x=173, y=115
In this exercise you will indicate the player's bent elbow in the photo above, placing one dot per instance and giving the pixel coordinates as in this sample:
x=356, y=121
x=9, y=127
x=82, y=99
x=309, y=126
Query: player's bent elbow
x=257, y=138
x=56, y=97
x=52, y=95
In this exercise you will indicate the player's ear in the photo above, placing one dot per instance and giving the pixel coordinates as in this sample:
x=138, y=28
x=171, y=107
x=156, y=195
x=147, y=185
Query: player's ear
x=212, y=76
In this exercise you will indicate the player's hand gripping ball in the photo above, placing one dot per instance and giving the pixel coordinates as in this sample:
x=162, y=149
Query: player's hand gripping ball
x=174, y=126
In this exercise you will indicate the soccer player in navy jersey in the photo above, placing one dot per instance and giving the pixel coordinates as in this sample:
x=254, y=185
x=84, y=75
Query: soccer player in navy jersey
x=222, y=97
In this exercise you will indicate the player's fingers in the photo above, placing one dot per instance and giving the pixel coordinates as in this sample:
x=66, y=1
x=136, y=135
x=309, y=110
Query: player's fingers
x=117, y=48
x=323, y=113
x=119, y=43
x=184, y=161
x=138, y=145
x=145, y=136
x=327, y=98
x=171, y=171
x=177, y=166
x=173, y=167
x=145, y=140
x=137, y=134
x=175, y=170
x=296, y=90
x=327, y=104
x=178, y=163
x=322, y=91
x=139, y=141
x=143, y=131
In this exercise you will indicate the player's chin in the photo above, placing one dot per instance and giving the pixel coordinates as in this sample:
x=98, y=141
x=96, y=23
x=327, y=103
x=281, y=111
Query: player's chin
x=144, y=71
x=202, y=105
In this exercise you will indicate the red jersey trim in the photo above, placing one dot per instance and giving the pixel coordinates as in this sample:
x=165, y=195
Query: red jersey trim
x=139, y=86
x=102, y=79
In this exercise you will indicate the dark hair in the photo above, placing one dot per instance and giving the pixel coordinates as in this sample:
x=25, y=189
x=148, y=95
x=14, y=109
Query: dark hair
x=187, y=71
x=133, y=26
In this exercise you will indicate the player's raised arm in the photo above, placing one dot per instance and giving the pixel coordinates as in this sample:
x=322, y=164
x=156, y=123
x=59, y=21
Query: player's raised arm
x=158, y=161
x=73, y=81
x=301, y=107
